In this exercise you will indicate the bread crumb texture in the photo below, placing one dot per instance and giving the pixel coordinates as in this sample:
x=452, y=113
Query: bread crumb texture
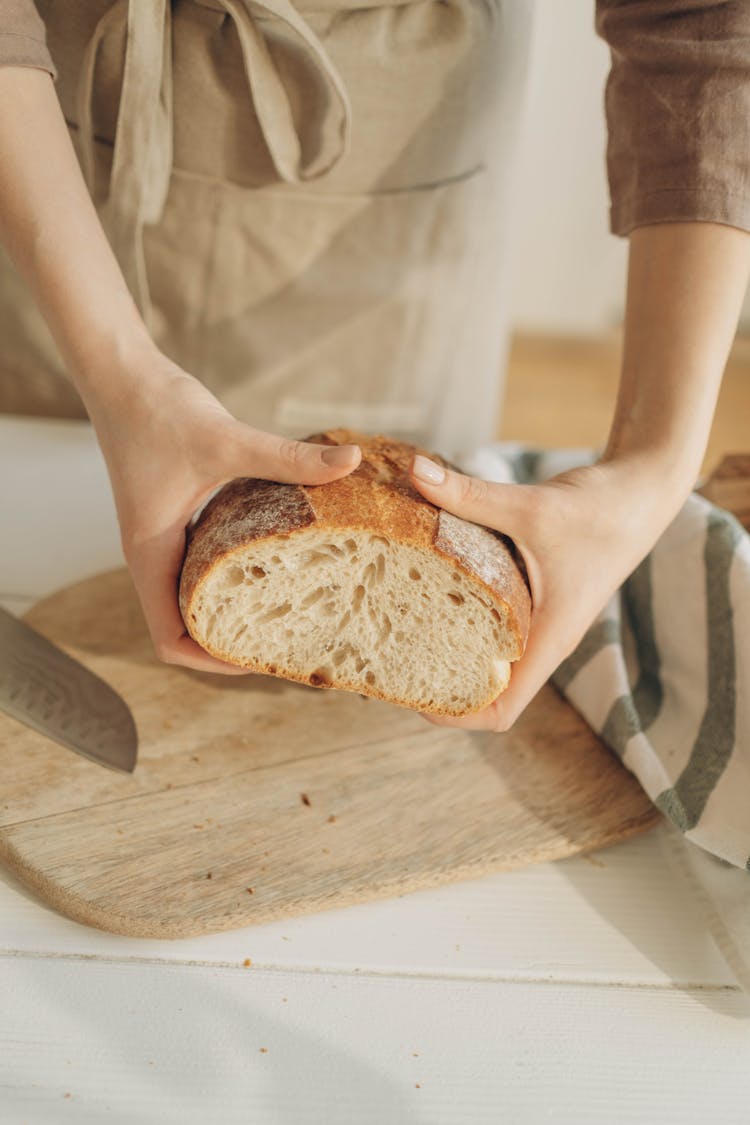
x=360, y=584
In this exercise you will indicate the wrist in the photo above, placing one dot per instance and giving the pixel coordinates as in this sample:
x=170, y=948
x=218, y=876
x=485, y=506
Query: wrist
x=671, y=453
x=110, y=371
x=658, y=478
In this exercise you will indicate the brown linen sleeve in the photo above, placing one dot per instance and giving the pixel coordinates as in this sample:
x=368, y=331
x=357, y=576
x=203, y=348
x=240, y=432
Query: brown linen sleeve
x=678, y=111
x=22, y=38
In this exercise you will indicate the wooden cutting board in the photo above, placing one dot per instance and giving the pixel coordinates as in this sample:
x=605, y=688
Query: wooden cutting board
x=255, y=799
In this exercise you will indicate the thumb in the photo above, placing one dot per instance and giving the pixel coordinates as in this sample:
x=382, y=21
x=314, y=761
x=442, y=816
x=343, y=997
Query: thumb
x=256, y=453
x=473, y=499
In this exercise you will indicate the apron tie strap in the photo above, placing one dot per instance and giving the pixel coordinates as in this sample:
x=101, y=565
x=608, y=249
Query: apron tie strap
x=142, y=157
x=271, y=101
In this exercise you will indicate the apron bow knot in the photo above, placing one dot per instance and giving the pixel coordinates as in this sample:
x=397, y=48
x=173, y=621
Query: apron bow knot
x=143, y=147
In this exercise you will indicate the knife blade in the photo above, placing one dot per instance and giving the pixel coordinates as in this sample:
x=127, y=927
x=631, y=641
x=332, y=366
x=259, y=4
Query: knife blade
x=53, y=693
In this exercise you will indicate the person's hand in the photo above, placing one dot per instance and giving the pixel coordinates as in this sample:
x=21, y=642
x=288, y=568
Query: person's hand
x=580, y=534
x=168, y=444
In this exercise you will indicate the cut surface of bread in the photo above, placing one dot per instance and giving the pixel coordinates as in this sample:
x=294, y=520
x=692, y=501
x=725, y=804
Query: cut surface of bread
x=360, y=584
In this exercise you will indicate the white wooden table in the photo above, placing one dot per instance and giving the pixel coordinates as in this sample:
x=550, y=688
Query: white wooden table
x=582, y=991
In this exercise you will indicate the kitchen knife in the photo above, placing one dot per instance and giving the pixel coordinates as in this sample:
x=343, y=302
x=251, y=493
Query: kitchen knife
x=53, y=693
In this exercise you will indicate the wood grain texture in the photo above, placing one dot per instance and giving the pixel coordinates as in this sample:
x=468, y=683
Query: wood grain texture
x=609, y=909
x=255, y=799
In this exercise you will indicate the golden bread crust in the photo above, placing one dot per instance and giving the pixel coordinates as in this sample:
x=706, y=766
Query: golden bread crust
x=377, y=497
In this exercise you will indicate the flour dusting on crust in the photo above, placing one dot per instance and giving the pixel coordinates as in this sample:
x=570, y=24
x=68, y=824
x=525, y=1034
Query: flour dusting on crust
x=484, y=554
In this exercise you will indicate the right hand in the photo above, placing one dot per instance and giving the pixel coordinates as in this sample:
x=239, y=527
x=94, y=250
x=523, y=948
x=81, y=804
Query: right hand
x=168, y=443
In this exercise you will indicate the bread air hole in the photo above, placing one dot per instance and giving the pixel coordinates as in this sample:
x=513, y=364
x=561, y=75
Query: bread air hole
x=374, y=572
x=234, y=576
x=275, y=613
x=321, y=677
x=313, y=558
x=357, y=598
x=414, y=573
x=370, y=678
x=313, y=597
x=257, y=572
x=456, y=598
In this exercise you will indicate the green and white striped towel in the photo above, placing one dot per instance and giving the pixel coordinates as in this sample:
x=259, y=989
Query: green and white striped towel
x=663, y=676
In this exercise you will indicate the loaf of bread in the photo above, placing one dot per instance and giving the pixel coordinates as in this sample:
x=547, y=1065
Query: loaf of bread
x=360, y=584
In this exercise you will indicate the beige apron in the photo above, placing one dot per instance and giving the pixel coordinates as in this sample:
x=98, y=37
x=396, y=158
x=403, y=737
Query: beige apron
x=309, y=203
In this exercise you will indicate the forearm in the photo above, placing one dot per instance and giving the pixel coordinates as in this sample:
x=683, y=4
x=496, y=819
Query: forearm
x=686, y=283
x=51, y=230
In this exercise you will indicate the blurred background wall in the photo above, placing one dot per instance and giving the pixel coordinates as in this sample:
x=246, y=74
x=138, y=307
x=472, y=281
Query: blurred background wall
x=570, y=272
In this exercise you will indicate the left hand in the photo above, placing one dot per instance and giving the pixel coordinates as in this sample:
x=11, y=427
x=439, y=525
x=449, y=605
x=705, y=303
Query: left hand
x=581, y=534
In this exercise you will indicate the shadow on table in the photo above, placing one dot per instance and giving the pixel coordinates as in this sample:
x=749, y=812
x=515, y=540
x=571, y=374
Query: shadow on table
x=179, y=1042
x=636, y=912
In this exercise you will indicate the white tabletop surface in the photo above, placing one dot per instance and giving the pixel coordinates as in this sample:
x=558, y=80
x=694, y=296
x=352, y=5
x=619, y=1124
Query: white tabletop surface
x=587, y=990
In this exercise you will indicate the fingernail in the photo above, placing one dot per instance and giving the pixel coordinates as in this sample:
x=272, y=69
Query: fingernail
x=427, y=470
x=339, y=455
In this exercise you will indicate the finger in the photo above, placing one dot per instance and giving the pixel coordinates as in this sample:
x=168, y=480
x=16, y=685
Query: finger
x=486, y=719
x=155, y=566
x=270, y=457
x=515, y=510
x=185, y=652
x=471, y=498
x=544, y=653
x=528, y=676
